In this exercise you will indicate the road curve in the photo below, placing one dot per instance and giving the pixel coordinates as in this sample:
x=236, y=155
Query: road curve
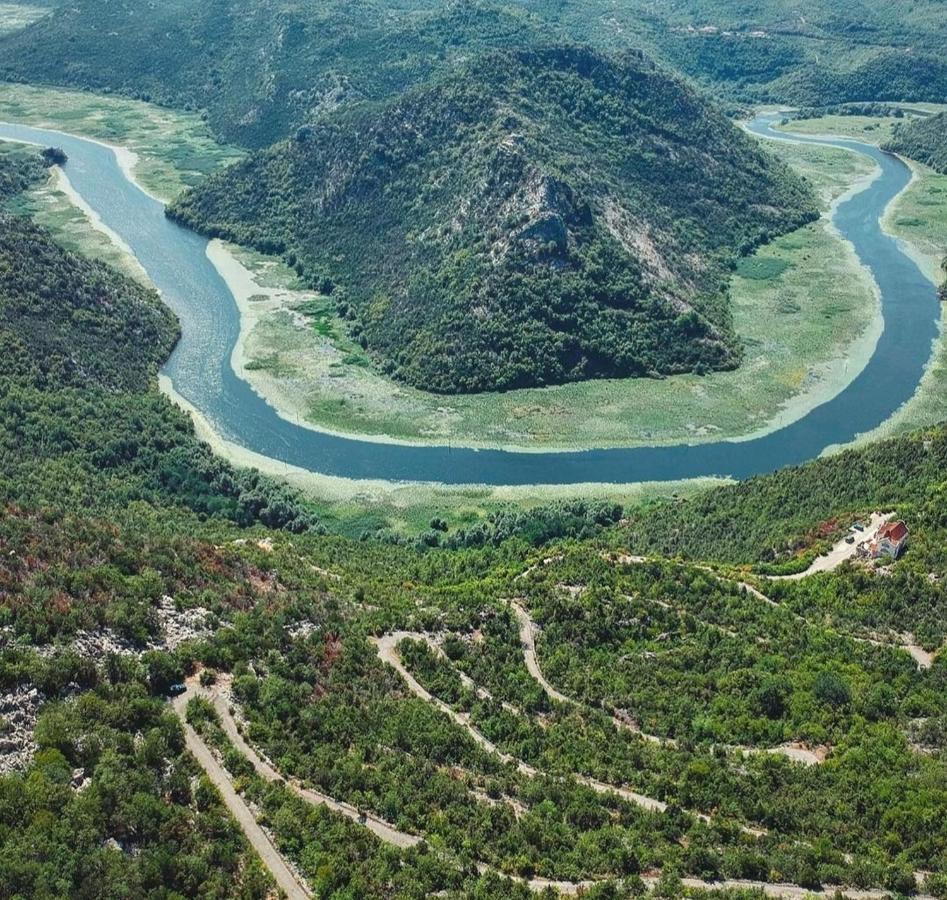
x=528, y=630
x=380, y=828
x=286, y=879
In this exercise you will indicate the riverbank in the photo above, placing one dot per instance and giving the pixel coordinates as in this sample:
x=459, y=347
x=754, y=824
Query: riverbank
x=407, y=507
x=919, y=220
x=162, y=150
x=808, y=314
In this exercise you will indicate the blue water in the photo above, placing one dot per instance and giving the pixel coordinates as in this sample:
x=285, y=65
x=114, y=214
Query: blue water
x=201, y=372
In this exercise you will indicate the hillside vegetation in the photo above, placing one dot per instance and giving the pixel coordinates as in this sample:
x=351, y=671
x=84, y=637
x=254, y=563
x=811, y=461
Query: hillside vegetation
x=261, y=68
x=81, y=420
x=923, y=139
x=537, y=217
x=127, y=563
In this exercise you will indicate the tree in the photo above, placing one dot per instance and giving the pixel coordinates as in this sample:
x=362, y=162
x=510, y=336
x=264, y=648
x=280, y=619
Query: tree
x=54, y=156
x=831, y=689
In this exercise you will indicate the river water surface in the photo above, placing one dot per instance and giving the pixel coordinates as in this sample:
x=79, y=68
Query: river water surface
x=200, y=369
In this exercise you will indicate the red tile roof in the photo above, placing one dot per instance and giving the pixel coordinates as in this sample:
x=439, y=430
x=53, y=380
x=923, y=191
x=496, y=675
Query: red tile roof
x=893, y=531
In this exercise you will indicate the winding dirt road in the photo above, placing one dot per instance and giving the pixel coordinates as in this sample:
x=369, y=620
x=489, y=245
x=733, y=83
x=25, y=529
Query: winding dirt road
x=285, y=878
x=842, y=551
x=528, y=630
x=387, y=647
x=295, y=888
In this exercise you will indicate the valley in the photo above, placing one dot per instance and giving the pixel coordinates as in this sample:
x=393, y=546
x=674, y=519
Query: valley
x=481, y=449
x=201, y=323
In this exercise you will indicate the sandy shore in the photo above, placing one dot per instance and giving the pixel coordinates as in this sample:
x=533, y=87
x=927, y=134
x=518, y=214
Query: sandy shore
x=62, y=184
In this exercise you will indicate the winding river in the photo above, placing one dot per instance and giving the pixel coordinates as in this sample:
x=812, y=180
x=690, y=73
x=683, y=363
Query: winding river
x=201, y=371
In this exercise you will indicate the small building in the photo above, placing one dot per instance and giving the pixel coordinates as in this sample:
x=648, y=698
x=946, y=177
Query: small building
x=889, y=540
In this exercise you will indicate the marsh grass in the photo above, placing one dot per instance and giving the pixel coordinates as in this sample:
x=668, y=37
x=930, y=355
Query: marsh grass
x=176, y=149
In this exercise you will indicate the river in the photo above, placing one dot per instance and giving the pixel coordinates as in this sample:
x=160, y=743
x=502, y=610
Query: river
x=201, y=372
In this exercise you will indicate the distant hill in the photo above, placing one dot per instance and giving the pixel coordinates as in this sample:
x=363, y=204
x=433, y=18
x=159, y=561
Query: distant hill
x=805, y=52
x=923, y=139
x=260, y=68
x=891, y=75
x=536, y=217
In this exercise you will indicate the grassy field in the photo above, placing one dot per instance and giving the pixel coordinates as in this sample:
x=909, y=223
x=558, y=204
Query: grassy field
x=14, y=16
x=800, y=307
x=871, y=129
x=175, y=149
x=409, y=509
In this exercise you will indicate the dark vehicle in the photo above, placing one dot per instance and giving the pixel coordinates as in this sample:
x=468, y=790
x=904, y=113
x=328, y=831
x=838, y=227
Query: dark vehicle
x=850, y=539
x=858, y=526
x=177, y=689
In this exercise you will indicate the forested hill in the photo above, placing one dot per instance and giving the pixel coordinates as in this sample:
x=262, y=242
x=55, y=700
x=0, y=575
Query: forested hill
x=259, y=67
x=263, y=67
x=924, y=140
x=535, y=217
x=82, y=424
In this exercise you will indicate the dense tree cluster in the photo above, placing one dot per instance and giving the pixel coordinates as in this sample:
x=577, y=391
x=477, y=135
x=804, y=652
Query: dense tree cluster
x=923, y=139
x=18, y=170
x=146, y=822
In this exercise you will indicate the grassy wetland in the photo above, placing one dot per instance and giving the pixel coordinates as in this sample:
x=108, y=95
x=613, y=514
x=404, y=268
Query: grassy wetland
x=172, y=149
x=919, y=219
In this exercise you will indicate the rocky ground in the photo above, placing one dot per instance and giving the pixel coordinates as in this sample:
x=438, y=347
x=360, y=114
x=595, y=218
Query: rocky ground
x=20, y=706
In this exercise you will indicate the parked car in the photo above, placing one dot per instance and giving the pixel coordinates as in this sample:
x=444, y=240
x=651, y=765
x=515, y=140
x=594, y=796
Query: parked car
x=177, y=689
x=850, y=539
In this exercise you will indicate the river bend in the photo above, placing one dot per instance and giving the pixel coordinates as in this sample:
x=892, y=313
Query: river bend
x=201, y=372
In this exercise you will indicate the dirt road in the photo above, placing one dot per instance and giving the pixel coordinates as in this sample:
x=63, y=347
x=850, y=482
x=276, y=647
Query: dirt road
x=285, y=878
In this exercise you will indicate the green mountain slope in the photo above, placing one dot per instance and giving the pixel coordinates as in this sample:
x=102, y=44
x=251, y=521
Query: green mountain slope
x=259, y=67
x=537, y=217
x=263, y=67
x=114, y=585
x=923, y=139
x=81, y=420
